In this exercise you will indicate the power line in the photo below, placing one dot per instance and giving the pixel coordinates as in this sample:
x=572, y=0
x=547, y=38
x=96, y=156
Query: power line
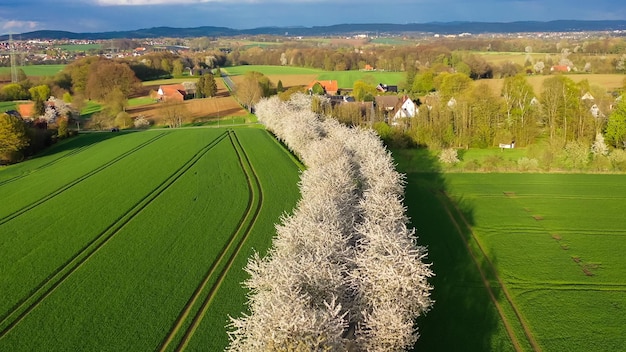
x=12, y=55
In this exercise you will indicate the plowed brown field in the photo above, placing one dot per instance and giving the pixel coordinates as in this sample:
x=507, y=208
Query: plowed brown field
x=220, y=106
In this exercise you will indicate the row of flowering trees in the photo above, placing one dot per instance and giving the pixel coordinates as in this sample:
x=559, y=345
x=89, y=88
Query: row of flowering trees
x=344, y=271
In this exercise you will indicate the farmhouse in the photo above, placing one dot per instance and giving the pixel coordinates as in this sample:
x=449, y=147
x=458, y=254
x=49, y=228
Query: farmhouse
x=331, y=87
x=177, y=92
x=560, y=68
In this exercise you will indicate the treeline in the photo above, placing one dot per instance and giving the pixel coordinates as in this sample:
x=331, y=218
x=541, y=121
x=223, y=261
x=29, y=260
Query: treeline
x=442, y=55
x=344, y=271
x=455, y=111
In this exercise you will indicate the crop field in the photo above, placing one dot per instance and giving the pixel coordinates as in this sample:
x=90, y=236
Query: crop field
x=80, y=47
x=524, y=262
x=292, y=76
x=222, y=106
x=35, y=70
x=346, y=79
x=136, y=241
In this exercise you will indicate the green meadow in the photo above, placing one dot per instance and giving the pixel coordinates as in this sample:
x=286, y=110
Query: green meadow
x=80, y=47
x=36, y=70
x=7, y=105
x=137, y=241
x=524, y=261
x=270, y=70
x=345, y=79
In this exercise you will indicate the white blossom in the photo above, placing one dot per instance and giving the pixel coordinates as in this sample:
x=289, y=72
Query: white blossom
x=599, y=147
x=344, y=272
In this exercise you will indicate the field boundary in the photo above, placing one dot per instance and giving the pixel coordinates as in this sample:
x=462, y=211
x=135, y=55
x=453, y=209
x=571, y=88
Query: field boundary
x=528, y=334
x=45, y=288
x=255, y=203
x=80, y=179
x=291, y=155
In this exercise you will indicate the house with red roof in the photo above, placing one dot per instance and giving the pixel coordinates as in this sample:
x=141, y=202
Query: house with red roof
x=331, y=87
x=177, y=92
x=560, y=68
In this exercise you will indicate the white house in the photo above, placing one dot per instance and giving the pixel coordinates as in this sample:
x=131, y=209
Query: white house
x=406, y=109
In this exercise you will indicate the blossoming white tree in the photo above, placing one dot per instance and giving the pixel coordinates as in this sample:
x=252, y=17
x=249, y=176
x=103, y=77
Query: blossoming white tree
x=344, y=271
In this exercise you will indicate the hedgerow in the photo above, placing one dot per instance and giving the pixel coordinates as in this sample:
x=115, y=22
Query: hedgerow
x=344, y=271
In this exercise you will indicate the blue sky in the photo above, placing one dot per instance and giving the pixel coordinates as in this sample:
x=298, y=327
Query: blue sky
x=19, y=16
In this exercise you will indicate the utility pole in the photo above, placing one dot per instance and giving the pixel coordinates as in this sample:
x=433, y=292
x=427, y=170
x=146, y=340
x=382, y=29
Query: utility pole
x=12, y=55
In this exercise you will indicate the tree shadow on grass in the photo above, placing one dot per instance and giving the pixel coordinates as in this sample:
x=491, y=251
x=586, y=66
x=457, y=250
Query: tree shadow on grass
x=463, y=317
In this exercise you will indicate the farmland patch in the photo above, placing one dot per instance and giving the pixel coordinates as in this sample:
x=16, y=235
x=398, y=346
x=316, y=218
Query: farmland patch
x=119, y=270
x=556, y=247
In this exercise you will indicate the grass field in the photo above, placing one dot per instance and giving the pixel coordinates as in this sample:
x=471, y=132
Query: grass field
x=79, y=47
x=35, y=70
x=549, y=247
x=7, y=105
x=291, y=76
x=136, y=241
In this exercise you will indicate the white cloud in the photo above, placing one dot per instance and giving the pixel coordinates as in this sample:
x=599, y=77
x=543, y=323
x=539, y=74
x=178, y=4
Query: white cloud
x=20, y=25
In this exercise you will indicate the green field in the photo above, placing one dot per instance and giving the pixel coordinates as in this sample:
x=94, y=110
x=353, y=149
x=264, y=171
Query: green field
x=79, y=47
x=391, y=41
x=345, y=79
x=271, y=70
x=7, y=105
x=136, y=241
x=36, y=70
x=548, y=245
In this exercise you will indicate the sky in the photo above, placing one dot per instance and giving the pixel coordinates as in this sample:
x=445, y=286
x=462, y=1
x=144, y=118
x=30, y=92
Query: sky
x=86, y=16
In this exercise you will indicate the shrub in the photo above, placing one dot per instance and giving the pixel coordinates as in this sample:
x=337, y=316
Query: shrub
x=493, y=162
x=141, y=122
x=599, y=147
x=472, y=165
x=575, y=155
x=449, y=156
x=600, y=163
x=526, y=164
x=617, y=158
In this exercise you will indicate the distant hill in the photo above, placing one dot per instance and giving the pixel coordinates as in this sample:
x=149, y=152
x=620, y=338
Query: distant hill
x=341, y=29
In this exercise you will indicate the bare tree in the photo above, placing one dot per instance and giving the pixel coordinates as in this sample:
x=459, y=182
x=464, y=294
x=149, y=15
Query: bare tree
x=173, y=113
x=249, y=91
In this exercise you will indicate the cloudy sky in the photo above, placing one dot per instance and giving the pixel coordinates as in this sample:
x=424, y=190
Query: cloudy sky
x=19, y=16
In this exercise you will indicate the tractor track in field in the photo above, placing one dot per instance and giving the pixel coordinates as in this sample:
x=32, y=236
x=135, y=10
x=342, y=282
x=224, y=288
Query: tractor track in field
x=244, y=227
x=47, y=287
x=64, y=188
x=49, y=163
x=509, y=329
